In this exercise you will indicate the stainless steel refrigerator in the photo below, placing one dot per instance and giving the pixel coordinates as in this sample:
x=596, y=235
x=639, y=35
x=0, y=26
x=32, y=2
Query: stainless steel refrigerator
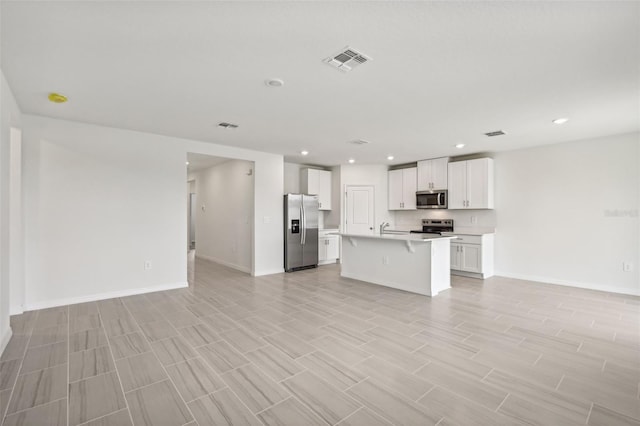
x=300, y=231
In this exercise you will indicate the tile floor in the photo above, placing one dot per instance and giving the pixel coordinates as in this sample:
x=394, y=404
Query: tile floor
x=310, y=348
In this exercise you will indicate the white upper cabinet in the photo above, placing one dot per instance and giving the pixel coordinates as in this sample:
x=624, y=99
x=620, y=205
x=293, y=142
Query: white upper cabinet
x=471, y=184
x=317, y=182
x=457, y=185
x=402, y=189
x=432, y=174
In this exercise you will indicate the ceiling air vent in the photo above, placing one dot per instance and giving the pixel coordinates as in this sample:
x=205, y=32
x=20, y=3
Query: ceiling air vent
x=347, y=59
x=495, y=133
x=227, y=125
x=359, y=142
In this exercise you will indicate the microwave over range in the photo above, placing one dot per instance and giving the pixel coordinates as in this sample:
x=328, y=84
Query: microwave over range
x=431, y=199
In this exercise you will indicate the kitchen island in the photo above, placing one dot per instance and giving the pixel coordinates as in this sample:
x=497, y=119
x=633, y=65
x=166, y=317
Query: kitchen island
x=418, y=263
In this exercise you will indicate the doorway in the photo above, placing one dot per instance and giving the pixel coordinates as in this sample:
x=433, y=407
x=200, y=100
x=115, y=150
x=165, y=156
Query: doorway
x=360, y=209
x=220, y=204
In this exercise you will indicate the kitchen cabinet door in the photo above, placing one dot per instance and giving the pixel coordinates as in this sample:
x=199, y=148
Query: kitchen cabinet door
x=455, y=256
x=471, y=184
x=317, y=182
x=395, y=189
x=439, y=173
x=402, y=189
x=322, y=249
x=480, y=184
x=324, y=190
x=432, y=174
x=424, y=175
x=333, y=247
x=471, y=258
x=409, y=185
x=457, y=172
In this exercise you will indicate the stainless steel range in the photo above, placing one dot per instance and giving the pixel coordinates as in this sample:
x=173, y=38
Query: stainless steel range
x=435, y=226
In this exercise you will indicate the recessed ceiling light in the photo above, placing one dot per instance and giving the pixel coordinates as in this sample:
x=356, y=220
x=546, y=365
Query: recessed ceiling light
x=390, y=157
x=57, y=98
x=351, y=161
x=560, y=120
x=304, y=152
x=274, y=82
x=187, y=163
x=460, y=145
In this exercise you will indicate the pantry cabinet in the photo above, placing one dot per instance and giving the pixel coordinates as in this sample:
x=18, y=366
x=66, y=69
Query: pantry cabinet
x=471, y=184
x=433, y=174
x=402, y=189
x=317, y=182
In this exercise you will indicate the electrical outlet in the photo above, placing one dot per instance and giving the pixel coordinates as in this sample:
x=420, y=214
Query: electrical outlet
x=147, y=265
x=474, y=219
x=627, y=266
x=385, y=260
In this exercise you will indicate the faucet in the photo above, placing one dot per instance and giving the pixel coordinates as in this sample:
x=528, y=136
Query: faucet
x=383, y=225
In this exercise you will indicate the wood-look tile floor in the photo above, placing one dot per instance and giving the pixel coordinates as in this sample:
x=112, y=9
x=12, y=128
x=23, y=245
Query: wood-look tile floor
x=311, y=348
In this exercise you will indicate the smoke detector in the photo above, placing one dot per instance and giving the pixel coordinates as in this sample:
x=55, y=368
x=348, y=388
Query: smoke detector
x=496, y=133
x=347, y=59
x=274, y=82
x=227, y=125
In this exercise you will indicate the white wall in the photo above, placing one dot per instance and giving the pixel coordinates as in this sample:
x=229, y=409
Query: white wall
x=292, y=178
x=99, y=202
x=568, y=213
x=565, y=213
x=9, y=117
x=225, y=226
x=16, y=230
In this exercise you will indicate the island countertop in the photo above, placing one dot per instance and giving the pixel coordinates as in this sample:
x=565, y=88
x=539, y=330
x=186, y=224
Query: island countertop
x=401, y=237
x=419, y=263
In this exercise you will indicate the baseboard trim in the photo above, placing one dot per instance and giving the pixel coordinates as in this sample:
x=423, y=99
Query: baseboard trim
x=269, y=272
x=568, y=283
x=5, y=339
x=103, y=296
x=225, y=263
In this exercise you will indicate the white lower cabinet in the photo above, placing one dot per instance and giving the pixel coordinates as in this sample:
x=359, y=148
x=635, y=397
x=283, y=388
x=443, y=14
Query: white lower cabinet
x=472, y=255
x=328, y=248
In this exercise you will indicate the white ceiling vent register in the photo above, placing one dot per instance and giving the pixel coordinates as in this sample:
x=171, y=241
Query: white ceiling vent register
x=347, y=59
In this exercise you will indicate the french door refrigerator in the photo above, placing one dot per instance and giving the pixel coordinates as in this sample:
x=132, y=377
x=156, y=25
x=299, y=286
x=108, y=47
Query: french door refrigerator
x=300, y=231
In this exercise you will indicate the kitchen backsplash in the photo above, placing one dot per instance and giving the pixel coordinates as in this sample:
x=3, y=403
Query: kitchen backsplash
x=461, y=218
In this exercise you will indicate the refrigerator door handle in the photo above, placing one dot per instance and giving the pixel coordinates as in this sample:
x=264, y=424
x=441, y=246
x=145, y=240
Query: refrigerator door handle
x=301, y=225
x=304, y=223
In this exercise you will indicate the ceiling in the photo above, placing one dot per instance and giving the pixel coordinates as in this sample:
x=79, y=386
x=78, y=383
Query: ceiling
x=442, y=73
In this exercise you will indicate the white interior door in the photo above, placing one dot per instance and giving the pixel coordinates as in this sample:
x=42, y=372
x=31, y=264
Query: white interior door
x=360, y=218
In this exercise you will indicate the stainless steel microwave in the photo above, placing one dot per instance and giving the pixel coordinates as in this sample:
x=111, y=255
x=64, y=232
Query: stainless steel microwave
x=431, y=199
